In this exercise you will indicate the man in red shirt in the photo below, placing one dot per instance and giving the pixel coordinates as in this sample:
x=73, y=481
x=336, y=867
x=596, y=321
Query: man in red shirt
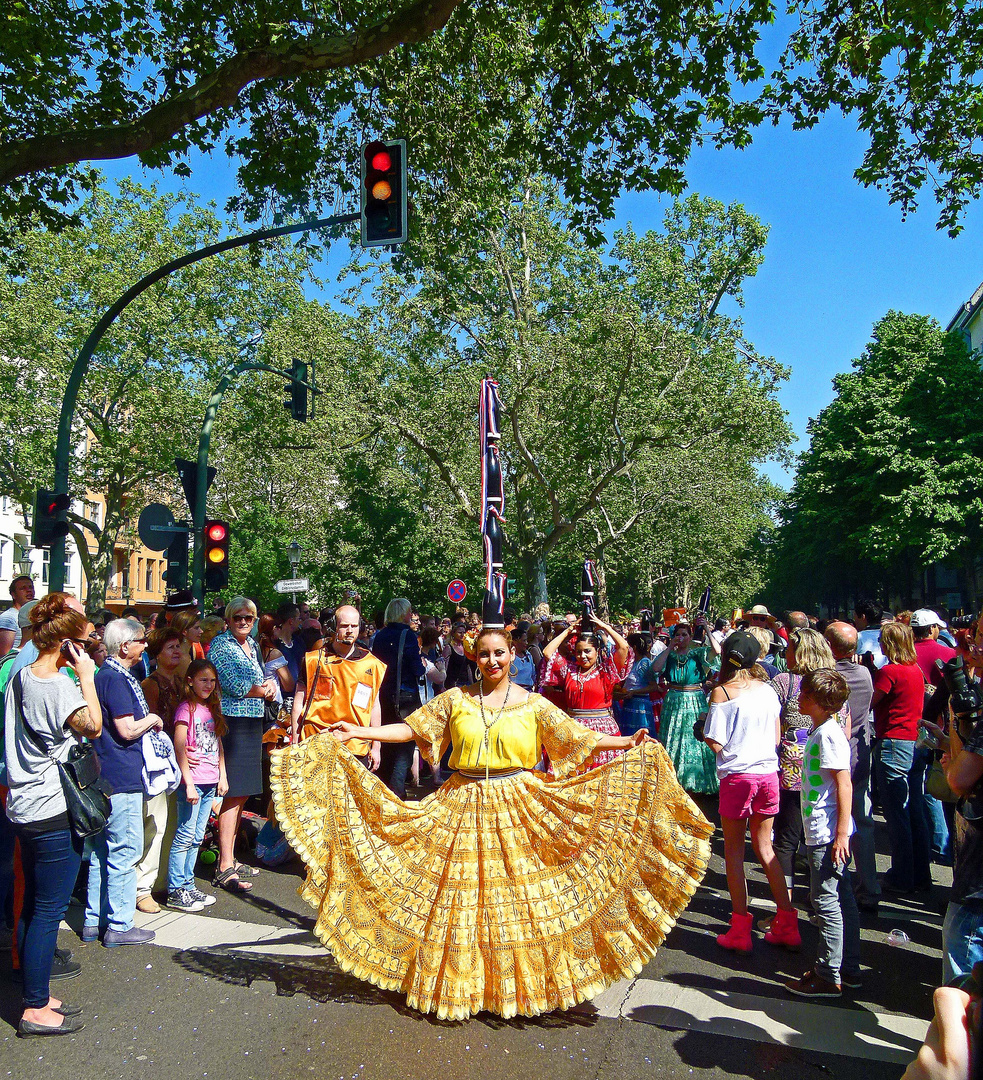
x=925, y=625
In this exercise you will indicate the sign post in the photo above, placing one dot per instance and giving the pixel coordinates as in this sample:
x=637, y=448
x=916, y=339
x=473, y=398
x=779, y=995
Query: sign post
x=456, y=591
x=293, y=586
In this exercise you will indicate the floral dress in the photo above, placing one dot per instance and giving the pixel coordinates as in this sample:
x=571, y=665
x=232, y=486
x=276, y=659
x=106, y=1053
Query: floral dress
x=685, y=701
x=516, y=893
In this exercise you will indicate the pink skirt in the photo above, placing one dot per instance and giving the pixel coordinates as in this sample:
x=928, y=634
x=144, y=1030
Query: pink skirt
x=602, y=721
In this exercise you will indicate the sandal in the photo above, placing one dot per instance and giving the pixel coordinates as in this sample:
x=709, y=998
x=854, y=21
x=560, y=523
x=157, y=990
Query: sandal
x=229, y=880
x=248, y=871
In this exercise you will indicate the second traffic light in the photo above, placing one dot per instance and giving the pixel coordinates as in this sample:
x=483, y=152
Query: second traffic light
x=296, y=404
x=49, y=522
x=382, y=194
x=216, y=549
x=176, y=574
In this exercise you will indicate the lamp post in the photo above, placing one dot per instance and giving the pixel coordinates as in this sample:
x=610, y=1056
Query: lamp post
x=293, y=554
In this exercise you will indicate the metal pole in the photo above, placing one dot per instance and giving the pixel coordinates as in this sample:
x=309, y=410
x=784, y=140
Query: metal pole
x=63, y=446
x=201, y=488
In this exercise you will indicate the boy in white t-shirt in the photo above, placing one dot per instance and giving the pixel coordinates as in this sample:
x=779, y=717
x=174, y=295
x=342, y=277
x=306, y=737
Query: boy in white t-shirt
x=827, y=799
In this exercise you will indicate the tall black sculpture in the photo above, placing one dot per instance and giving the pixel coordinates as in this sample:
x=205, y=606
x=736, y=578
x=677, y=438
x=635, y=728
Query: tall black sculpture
x=492, y=505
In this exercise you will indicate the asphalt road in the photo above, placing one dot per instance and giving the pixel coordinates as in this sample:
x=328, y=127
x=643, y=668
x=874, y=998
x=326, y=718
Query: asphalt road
x=267, y=1003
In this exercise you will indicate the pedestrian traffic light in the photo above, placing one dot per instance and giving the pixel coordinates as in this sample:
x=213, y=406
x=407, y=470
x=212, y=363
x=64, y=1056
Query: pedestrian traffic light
x=216, y=548
x=296, y=404
x=176, y=574
x=509, y=587
x=382, y=195
x=49, y=522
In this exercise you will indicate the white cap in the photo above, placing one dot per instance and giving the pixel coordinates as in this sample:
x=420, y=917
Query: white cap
x=925, y=617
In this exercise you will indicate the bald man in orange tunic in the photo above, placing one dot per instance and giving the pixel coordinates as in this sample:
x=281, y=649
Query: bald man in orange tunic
x=340, y=681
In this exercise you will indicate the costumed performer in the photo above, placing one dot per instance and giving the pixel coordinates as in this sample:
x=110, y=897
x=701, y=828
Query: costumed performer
x=687, y=668
x=588, y=683
x=504, y=890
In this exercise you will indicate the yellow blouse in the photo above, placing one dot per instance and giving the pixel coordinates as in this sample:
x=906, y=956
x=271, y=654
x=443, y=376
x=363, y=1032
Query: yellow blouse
x=515, y=741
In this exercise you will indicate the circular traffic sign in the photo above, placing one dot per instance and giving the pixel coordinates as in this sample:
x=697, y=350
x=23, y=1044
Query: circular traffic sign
x=456, y=591
x=156, y=526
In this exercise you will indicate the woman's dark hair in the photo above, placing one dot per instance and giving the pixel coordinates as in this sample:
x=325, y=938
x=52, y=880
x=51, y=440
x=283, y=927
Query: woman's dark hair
x=721, y=623
x=429, y=636
x=638, y=645
x=266, y=629
x=157, y=639
x=214, y=701
x=54, y=621
x=488, y=631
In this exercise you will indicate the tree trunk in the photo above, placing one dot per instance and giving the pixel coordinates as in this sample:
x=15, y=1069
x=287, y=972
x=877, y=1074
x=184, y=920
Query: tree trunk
x=534, y=578
x=601, y=598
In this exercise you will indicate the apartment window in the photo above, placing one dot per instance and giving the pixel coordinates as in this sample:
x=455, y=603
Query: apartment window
x=150, y=575
x=124, y=572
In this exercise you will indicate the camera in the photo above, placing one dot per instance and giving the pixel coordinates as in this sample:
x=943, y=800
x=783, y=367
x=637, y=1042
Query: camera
x=965, y=697
x=962, y=622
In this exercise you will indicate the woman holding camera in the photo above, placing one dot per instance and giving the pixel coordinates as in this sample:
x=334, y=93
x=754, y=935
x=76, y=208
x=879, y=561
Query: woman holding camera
x=43, y=705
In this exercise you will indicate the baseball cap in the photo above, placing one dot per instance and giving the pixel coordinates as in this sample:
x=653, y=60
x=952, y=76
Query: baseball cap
x=24, y=614
x=740, y=651
x=921, y=618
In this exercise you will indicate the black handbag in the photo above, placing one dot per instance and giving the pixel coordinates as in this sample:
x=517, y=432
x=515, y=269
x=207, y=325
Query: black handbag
x=86, y=793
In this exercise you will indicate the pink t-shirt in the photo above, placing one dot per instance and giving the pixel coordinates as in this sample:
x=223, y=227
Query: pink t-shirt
x=202, y=741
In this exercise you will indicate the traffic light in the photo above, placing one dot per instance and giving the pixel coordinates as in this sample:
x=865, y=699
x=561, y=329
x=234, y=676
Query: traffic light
x=216, y=547
x=383, y=193
x=296, y=404
x=510, y=586
x=176, y=574
x=49, y=518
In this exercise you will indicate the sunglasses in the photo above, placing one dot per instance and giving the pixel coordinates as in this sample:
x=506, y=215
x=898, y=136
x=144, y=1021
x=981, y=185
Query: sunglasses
x=243, y=618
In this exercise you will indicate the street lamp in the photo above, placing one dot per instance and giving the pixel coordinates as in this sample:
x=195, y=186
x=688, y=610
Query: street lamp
x=293, y=554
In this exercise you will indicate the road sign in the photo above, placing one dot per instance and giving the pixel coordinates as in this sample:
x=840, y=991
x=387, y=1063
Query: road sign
x=456, y=591
x=188, y=473
x=297, y=584
x=157, y=527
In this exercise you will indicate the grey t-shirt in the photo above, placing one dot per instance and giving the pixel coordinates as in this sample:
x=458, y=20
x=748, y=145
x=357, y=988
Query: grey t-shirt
x=35, y=787
x=8, y=621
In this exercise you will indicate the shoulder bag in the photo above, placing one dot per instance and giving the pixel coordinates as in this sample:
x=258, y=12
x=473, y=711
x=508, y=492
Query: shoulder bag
x=86, y=793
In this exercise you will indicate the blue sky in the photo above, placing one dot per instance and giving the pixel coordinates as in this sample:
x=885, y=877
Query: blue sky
x=839, y=257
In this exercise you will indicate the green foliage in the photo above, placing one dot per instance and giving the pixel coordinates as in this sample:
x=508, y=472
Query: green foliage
x=594, y=96
x=144, y=395
x=625, y=391
x=890, y=482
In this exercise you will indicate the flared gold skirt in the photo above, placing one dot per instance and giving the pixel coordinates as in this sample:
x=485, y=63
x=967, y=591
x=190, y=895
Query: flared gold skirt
x=517, y=895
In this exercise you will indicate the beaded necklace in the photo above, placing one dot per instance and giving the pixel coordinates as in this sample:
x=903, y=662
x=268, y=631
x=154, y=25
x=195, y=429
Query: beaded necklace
x=484, y=720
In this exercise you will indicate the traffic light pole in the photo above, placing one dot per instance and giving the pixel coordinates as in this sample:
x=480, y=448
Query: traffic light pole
x=199, y=510
x=63, y=445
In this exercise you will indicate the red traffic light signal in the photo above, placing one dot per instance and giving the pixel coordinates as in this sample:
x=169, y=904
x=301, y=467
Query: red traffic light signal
x=382, y=195
x=216, y=549
x=49, y=522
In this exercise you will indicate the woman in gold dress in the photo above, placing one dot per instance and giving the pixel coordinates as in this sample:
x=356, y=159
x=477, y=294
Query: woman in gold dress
x=504, y=890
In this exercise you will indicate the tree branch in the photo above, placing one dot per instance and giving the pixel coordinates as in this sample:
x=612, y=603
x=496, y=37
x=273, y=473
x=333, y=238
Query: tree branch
x=221, y=89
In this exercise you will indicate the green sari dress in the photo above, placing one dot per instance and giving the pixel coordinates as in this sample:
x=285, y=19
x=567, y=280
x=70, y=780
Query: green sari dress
x=695, y=763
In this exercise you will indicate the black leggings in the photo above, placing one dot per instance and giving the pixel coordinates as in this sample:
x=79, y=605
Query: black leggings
x=788, y=831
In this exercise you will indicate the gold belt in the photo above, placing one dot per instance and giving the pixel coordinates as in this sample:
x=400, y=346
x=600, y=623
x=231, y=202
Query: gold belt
x=468, y=775
x=690, y=687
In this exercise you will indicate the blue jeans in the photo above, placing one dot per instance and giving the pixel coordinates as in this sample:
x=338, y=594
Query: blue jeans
x=867, y=887
x=112, y=897
x=8, y=840
x=904, y=813
x=192, y=820
x=51, y=865
x=831, y=892
x=962, y=939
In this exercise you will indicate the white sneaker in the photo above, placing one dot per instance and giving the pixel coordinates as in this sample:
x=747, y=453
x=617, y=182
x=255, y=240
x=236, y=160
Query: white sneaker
x=203, y=898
